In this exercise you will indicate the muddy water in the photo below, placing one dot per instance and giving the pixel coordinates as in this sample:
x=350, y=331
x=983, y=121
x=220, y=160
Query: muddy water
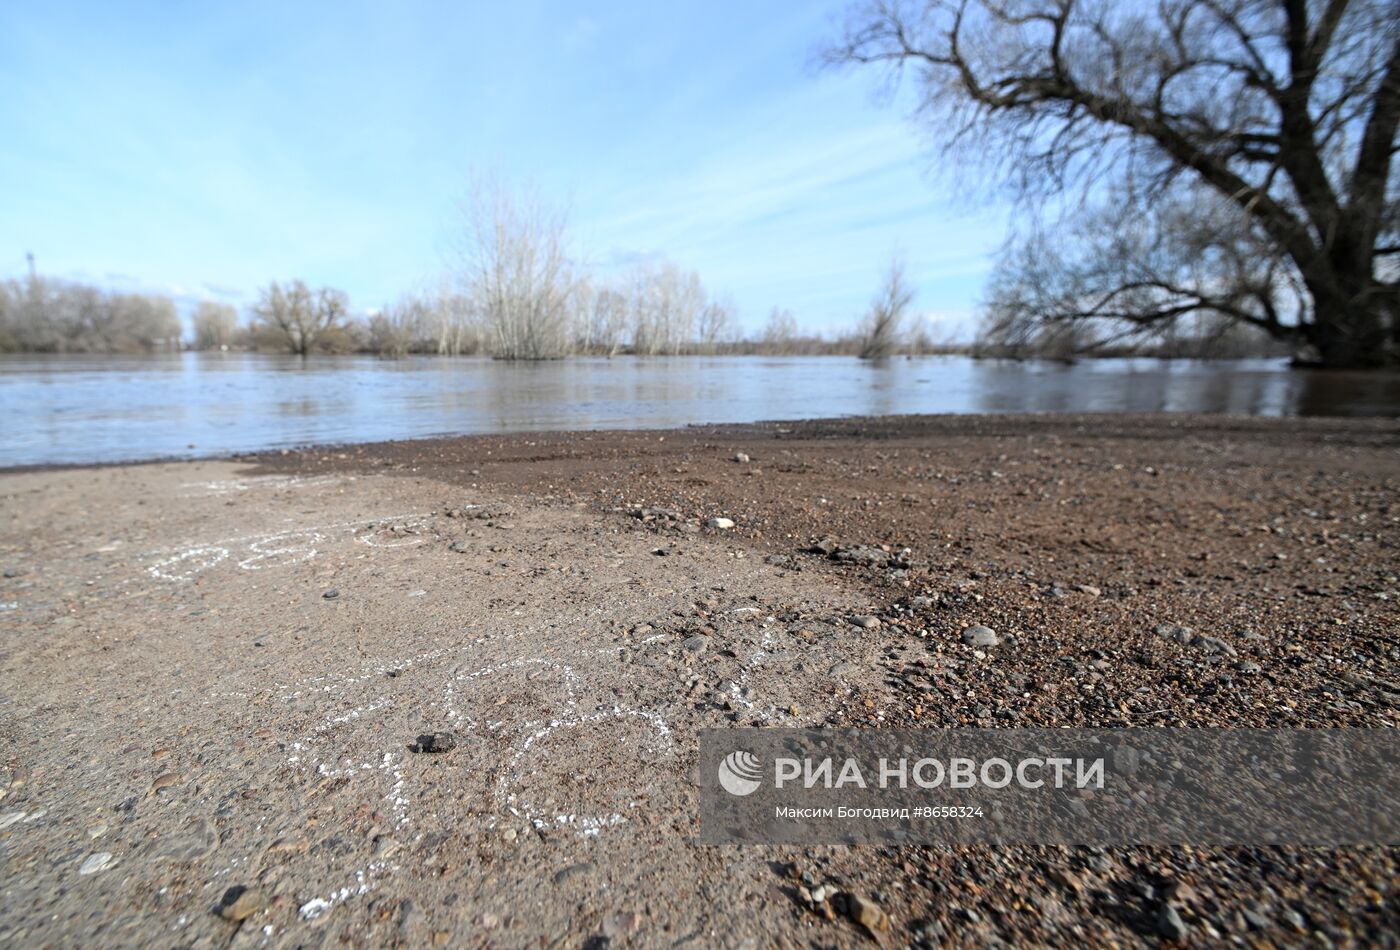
x=104, y=408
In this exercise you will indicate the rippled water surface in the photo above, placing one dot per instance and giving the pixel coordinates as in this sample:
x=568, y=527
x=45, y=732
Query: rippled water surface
x=105, y=408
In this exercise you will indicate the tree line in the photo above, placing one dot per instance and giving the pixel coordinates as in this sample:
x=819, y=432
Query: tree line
x=515, y=289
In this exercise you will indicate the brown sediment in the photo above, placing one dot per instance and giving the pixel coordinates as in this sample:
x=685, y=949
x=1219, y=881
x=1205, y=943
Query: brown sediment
x=176, y=675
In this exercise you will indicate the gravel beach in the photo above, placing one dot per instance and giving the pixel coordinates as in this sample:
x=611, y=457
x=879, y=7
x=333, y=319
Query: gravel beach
x=445, y=692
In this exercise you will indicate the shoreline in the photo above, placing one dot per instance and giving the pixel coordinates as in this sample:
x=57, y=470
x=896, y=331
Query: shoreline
x=289, y=623
x=1206, y=421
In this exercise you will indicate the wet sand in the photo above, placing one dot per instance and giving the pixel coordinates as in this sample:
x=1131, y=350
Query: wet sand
x=212, y=674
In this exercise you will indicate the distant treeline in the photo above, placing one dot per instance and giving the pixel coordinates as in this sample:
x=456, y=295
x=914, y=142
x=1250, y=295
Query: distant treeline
x=50, y=316
x=657, y=310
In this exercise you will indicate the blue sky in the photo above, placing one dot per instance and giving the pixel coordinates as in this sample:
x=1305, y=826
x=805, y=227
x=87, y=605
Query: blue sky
x=202, y=150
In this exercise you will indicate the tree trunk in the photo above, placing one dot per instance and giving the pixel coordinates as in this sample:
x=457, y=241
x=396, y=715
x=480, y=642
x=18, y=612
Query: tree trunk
x=1351, y=323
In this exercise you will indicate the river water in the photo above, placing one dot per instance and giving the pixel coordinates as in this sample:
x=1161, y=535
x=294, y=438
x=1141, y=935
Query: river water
x=111, y=408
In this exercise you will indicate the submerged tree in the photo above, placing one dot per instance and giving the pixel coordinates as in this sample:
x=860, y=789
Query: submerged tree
x=1248, y=145
x=215, y=325
x=301, y=319
x=514, y=264
x=881, y=330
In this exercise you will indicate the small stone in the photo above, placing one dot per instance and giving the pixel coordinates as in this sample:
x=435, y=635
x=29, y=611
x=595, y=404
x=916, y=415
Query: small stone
x=165, y=780
x=1169, y=923
x=331, y=594
x=740, y=457
x=719, y=523
x=100, y=861
x=1248, y=667
x=619, y=926
x=458, y=547
x=979, y=636
x=1214, y=645
x=921, y=603
x=572, y=871
x=866, y=913
x=1257, y=917
x=695, y=644
x=845, y=669
x=240, y=903
x=866, y=622
x=1089, y=589
x=434, y=742
x=1175, y=632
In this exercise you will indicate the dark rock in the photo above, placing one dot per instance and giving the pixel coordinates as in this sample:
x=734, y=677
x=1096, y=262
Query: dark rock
x=239, y=903
x=1169, y=923
x=434, y=742
x=332, y=594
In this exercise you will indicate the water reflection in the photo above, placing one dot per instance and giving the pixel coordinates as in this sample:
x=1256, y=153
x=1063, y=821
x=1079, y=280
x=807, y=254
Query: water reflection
x=58, y=409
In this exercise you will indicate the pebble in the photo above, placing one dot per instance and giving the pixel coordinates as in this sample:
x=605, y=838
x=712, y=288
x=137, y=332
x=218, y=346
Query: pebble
x=1169, y=923
x=572, y=871
x=1174, y=632
x=866, y=913
x=1089, y=589
x=845, y=669
x=1214, y=645
x=719, y=523
x=980, y=636
x=740, y=457
x=240, y=903
x=618, y=926
x=1248, y=667
x=866, y=622
x=100, y=861
x=695, y=644
x=434, y=742
x=1256, y=917
x=458, y=547
x=331, y=594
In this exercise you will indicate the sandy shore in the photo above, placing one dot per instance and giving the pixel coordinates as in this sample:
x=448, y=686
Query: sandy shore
x=211, y=674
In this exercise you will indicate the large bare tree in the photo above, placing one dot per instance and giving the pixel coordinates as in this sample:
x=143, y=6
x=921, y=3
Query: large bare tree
x=1234, y=156
x=515, y=265
x=300, y=318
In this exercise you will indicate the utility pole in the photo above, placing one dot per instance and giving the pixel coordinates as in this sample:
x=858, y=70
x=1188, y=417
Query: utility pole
x=29, y=256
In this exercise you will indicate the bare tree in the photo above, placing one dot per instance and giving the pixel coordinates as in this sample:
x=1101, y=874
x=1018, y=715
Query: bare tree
x=882, y=327
x=215, y=325
x=515, y=265
x=302, y=319
x=606, y=320
x=403, y=327
x=457, y=328
x=666, y=303
x=780, y=332
x=717, y=323
x=1274, y=119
